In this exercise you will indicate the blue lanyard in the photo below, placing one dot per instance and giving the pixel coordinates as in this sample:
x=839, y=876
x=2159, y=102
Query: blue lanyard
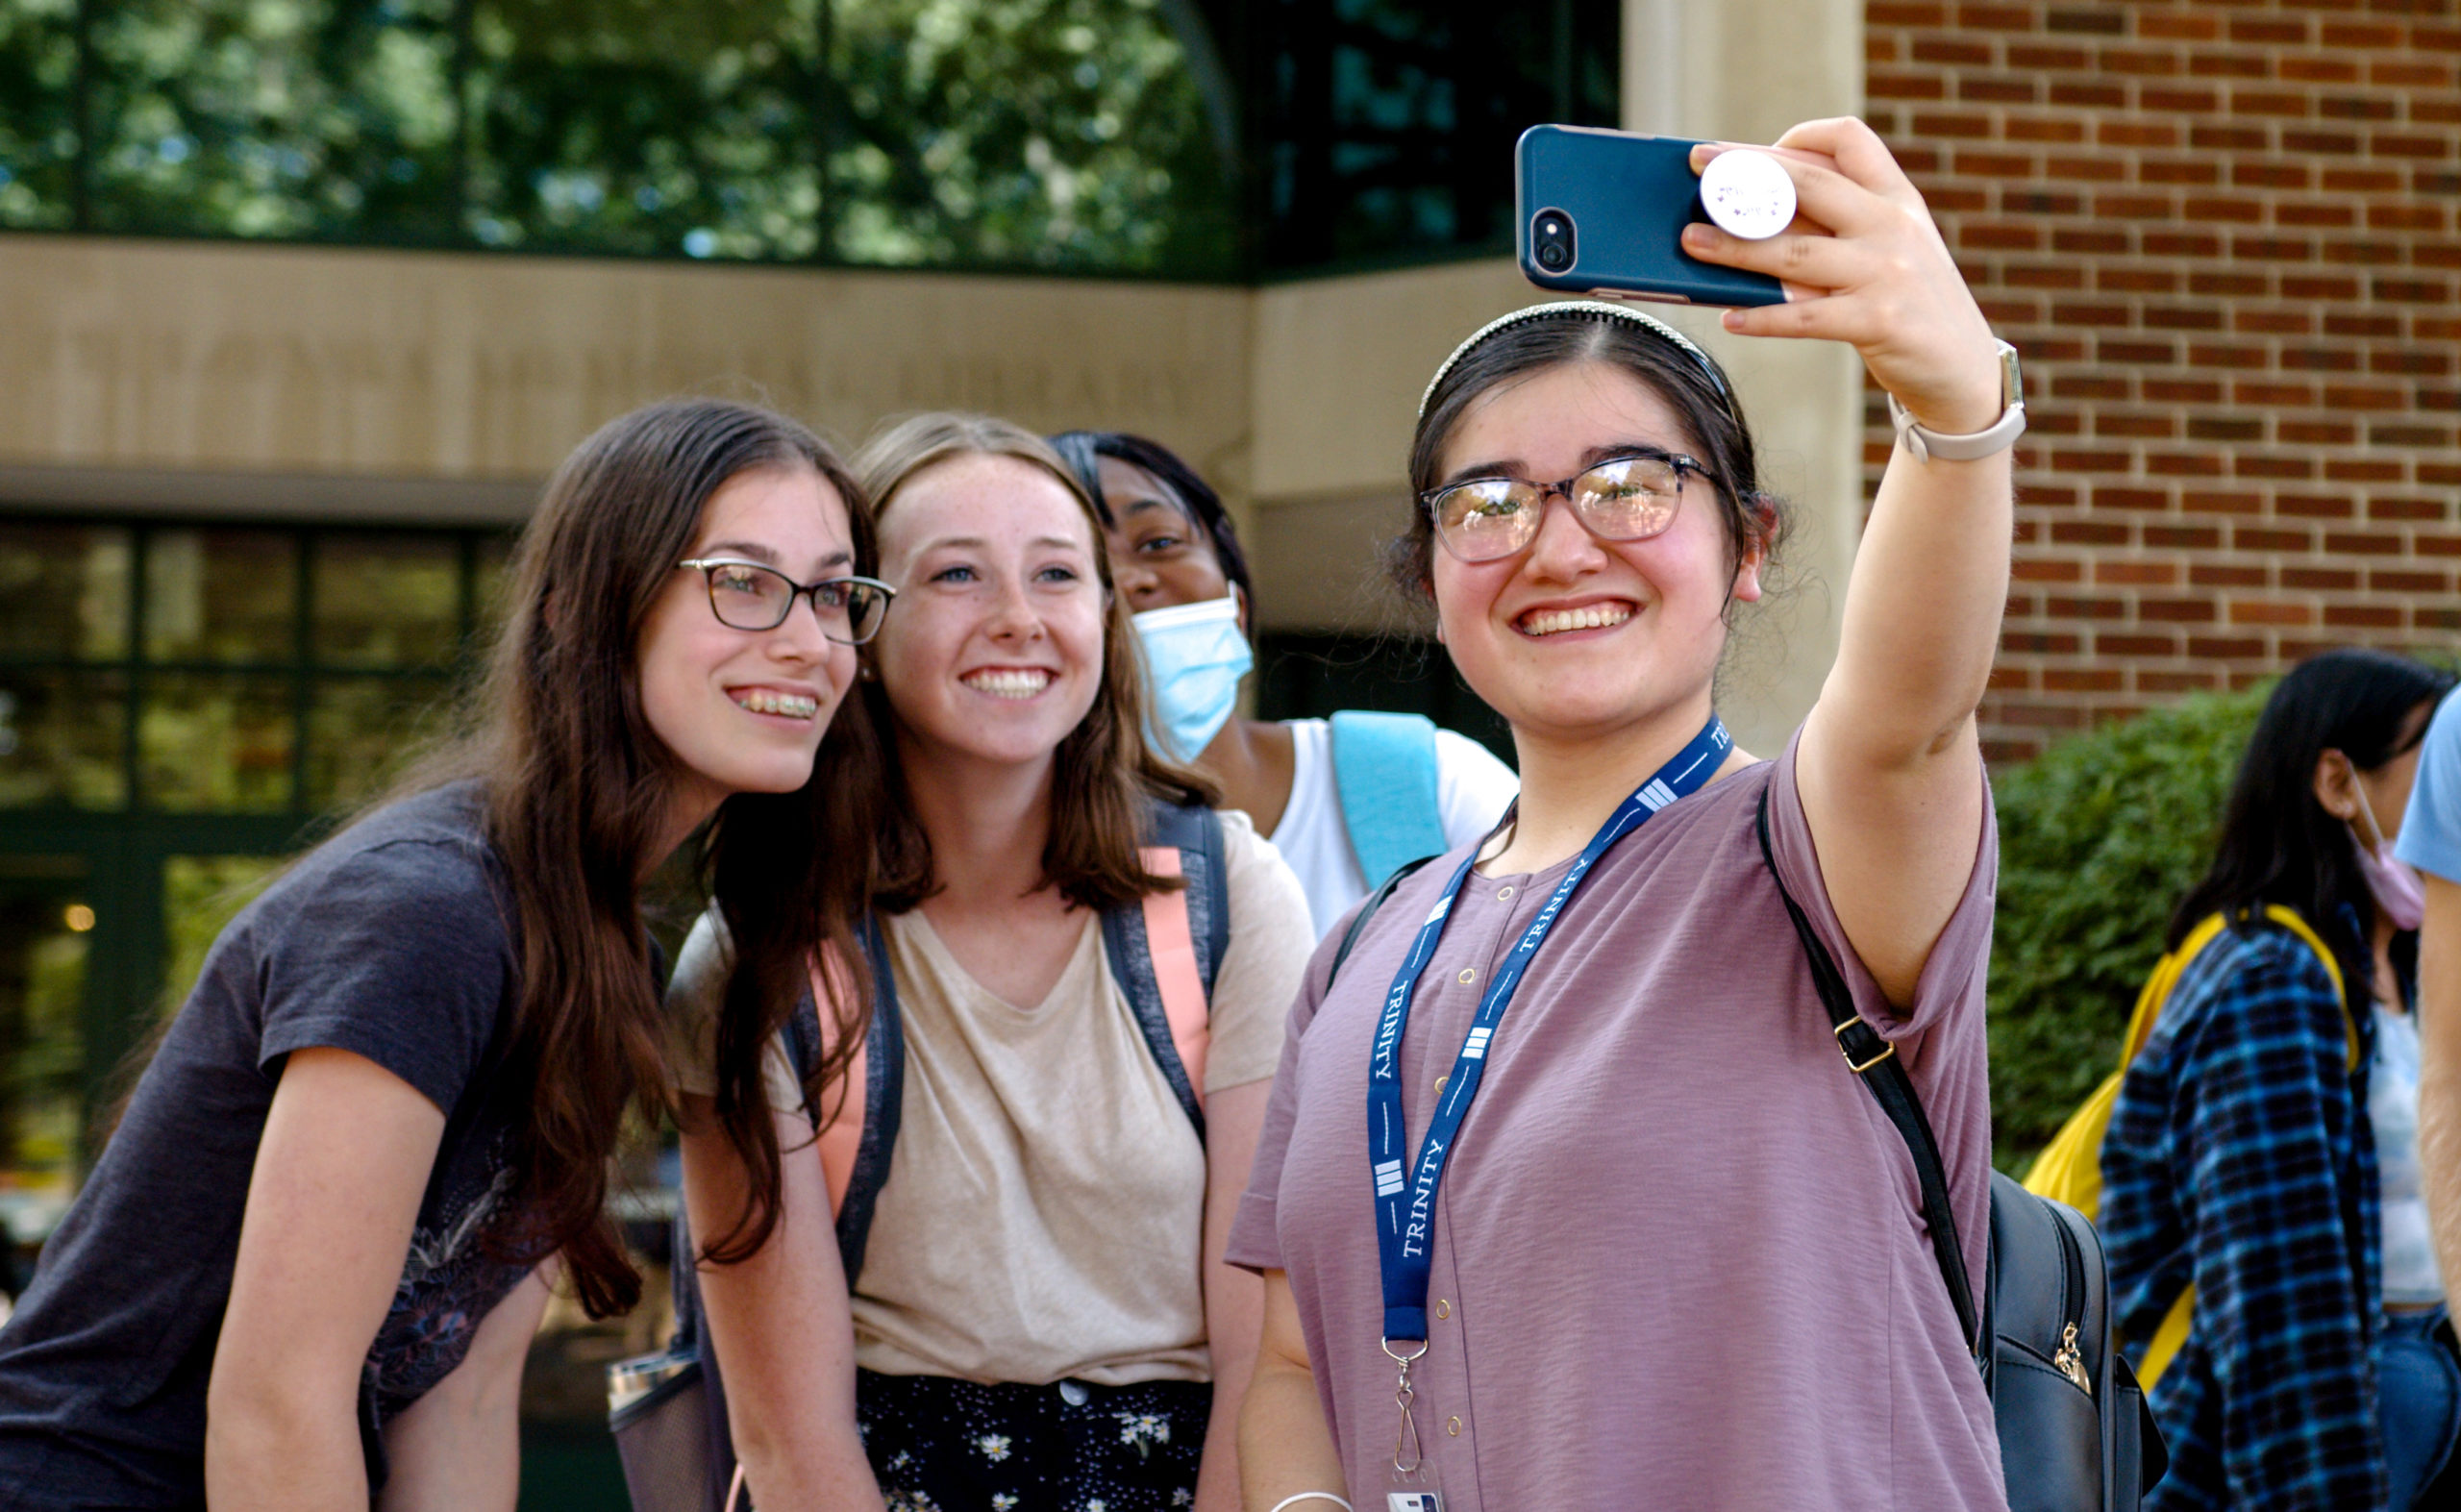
x=1405, y=1206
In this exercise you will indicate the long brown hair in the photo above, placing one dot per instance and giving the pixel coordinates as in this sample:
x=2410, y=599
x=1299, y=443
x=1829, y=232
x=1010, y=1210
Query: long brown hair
x=578, y=787
x=1104, y=771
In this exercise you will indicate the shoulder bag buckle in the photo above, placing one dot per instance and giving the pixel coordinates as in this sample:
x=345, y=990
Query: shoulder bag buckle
x=1887, y=1048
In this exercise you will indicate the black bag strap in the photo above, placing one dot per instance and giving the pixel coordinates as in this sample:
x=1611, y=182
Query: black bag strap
x=1367, y=911
x=1875, y=1060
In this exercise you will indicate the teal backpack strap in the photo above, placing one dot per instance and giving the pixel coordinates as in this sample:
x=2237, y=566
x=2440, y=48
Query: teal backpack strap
x=1384, y=769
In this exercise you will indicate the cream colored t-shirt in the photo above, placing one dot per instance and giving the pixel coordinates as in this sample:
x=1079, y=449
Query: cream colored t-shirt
x=1044, y=1212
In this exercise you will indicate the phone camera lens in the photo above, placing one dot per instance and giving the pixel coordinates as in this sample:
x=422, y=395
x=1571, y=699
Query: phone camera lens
x=1551, y=240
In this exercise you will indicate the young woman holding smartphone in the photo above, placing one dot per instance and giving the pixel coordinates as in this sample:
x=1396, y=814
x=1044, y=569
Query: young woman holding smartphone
x=306, y=1271
x=1037, y=1315
x=1645, y=1239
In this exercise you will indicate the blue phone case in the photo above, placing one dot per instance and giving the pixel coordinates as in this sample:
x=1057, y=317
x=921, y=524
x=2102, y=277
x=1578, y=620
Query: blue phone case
x=1628, y=199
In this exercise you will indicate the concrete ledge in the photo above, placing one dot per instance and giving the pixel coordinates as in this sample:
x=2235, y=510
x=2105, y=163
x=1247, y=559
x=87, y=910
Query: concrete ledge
x=351, y=498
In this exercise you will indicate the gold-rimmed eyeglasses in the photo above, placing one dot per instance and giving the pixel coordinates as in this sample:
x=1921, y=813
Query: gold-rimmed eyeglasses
x=1628, y=498
x=745, y=595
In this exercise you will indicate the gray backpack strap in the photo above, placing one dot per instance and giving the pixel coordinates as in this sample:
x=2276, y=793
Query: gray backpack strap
x=883, y=1092
x=1195, y=832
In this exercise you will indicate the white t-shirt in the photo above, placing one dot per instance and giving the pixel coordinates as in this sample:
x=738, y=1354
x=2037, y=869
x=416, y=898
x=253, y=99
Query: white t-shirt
x=2410, y=1272
x=1472, y=788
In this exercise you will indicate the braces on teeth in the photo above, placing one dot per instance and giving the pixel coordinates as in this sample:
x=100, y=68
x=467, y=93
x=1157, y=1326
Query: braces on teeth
x=793, y=706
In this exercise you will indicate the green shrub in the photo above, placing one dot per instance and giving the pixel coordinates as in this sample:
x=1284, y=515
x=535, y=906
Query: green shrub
x=2098, y=836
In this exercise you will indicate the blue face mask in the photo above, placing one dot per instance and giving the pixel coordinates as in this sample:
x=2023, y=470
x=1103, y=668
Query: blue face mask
x=1194, y=659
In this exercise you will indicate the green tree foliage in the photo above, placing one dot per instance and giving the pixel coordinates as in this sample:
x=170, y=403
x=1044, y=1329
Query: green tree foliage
x=295, y=119
x=38, y=120
x=1057, y=134
x=2098, y=837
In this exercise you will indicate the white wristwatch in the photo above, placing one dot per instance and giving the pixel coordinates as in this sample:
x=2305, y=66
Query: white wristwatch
x=2001, y=434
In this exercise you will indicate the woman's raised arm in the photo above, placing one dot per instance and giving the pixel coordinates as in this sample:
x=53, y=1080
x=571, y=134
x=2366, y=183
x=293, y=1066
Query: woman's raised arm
x=781, y=1325
x=1890, y=767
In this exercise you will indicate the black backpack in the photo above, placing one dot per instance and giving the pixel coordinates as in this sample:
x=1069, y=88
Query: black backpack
x=2076, y=1433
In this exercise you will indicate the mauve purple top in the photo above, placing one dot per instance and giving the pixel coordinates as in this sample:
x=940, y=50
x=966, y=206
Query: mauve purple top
x=1680, y=1258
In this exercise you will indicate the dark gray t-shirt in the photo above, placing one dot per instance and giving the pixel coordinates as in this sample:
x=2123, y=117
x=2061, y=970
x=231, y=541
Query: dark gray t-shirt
x=391, y=941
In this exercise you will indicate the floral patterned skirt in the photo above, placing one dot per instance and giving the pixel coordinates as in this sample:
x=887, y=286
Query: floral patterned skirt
x=938, y=1445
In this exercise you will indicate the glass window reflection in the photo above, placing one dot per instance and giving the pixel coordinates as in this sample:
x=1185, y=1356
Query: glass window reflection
x=1097, y=135
x=218, y=595
x=305, y=119
x=44, y=931
x=200, y=895
x=62, y=738
x=362, y=731
x=38, y=139
x=386, y=600
x=63, y=591
x=226, y=685
x=211, y=742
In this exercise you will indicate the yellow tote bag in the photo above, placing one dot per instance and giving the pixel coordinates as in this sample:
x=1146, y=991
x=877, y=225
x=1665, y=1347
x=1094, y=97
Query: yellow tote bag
x=2070, y=1168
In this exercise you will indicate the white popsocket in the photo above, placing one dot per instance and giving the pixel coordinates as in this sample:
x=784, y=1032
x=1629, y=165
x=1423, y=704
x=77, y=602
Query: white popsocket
x=1747, y=194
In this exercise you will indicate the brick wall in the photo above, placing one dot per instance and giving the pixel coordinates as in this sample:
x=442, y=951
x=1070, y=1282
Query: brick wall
x=2223, y=236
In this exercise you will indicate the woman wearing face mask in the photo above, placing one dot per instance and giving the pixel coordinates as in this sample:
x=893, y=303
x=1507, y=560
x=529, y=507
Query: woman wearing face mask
x=2264, y=1147
x=1346, y=800
x=1021, y=1302
x=307, y=1269
x=1567, y=1196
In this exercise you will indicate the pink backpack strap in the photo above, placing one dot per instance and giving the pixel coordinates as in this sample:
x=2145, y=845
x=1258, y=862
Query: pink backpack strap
x=1173, y=949
x=840, y=1124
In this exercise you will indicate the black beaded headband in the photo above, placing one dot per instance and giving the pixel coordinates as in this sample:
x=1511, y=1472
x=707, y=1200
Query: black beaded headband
x=1583, y=308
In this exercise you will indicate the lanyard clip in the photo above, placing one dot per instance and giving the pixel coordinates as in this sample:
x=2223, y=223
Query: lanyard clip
x=1407, y=1456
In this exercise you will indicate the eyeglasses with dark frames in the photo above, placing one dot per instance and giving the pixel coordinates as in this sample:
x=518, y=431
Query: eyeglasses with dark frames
x=745, y=595
x=1626, y=498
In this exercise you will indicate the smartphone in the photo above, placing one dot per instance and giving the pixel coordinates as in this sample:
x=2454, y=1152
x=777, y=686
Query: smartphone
x=1603, y=213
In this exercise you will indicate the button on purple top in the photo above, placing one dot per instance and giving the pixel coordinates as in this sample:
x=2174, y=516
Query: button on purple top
x=1680, y=1248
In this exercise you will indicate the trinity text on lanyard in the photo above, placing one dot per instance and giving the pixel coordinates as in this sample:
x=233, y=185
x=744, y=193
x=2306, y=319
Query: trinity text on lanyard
x=1405, y=1204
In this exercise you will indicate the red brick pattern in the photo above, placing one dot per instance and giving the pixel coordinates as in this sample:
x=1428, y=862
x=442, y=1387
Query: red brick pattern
x=2223, y=234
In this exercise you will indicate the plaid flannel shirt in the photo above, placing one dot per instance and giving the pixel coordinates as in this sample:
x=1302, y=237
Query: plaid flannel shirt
x=2240, y=1157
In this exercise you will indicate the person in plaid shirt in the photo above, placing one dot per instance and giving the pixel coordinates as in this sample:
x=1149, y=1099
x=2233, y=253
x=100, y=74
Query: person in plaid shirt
x=2241, y=1156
